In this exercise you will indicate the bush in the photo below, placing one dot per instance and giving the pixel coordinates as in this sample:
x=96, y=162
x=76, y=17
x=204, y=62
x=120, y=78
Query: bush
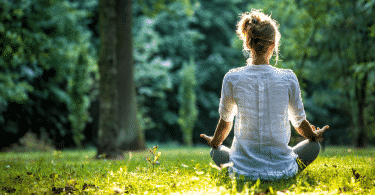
x=43, y=84
x=31, y=143
x=188, y=109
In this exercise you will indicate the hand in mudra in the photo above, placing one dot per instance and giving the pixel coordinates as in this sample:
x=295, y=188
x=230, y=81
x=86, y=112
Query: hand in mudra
x=209, y=140
x=319, y=132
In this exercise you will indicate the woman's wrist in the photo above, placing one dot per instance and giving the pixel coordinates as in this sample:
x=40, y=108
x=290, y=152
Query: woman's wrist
x=222, y=130
x=306, y=130
x=215, y=143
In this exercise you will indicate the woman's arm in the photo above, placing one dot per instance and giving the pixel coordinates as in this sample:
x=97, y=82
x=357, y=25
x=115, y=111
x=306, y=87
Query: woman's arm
x=221, y=133
x=227, y=111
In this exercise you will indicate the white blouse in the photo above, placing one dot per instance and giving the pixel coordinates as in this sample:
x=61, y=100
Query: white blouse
x=263, y=99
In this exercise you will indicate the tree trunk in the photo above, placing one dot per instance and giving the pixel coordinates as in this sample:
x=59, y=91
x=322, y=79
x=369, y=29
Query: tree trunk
x=131, y=136
x=118, y=127
x=360, y=137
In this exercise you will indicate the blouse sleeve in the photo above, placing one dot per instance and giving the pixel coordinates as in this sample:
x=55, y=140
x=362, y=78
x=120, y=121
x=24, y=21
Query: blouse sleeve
x=296, y=110
x=227, y=107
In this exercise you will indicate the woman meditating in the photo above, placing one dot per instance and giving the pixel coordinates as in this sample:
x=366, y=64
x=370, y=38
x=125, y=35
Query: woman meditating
x=263, y=98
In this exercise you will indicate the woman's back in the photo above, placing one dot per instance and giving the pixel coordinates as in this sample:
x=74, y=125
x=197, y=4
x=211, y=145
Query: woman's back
x=262, y=95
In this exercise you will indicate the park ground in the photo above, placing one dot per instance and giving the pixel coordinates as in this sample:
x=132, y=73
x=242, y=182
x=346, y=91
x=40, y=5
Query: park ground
x=178, y=170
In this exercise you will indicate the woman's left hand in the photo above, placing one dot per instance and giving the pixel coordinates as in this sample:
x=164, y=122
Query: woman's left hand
x=208, y=139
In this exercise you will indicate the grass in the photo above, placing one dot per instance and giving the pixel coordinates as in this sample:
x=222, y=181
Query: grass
x=179, y=170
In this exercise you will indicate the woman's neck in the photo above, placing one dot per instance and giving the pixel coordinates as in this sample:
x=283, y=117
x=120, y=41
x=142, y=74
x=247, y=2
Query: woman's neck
x=260, y=60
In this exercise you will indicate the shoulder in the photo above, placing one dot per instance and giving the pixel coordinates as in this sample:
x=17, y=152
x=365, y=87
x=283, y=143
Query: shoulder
x=286, y=73
x=236, y=70
x=234, y=74
x=291, y=78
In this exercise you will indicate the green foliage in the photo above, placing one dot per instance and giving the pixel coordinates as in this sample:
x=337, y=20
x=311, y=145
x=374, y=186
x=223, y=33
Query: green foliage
x=328, y=44
x=188, y=110
x=41, y=45
x=340, y=170
x=341, y=54
x=151, y=71
x=153, y=7
x=207, y=37
x=13, y=56
x=80, y=85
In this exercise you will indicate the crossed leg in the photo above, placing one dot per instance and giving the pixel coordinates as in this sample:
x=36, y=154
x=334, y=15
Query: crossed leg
x=306, y=150
x=220, y=155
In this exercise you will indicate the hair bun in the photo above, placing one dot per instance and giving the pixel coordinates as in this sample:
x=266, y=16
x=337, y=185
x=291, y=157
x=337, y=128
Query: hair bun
x=246, y=26
x=258, y=32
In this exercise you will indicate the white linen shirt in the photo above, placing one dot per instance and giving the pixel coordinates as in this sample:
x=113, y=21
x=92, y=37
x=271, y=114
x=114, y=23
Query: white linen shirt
x=263, y=99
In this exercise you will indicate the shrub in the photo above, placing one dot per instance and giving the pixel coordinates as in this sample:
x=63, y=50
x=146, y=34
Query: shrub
x=31, y=143
x=188, y=110
x=42, y=82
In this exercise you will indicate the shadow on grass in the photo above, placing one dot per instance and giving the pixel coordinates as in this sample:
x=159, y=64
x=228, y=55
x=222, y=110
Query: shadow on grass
x=300, y=181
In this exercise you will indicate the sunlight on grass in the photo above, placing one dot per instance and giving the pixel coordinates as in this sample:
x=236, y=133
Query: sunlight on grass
x=179, y=170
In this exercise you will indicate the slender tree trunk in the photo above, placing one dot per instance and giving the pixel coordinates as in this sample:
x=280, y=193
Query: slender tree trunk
x=360, y=137
x=118, y=127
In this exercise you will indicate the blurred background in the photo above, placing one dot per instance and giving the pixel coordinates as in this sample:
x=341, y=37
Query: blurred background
x=49, y=74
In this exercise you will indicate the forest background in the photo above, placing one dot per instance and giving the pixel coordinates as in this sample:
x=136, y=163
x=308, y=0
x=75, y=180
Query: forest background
x=49, y=78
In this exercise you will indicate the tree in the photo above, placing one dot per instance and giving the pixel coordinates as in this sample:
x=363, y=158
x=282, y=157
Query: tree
x=188, y=108
x=343, y=43
x=119, y=129
x=118, y=126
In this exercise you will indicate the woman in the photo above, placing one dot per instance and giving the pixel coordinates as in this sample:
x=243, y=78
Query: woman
x=263, y=99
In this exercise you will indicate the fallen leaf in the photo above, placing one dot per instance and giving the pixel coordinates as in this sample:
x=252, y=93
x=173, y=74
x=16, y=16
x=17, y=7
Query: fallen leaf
x=9, y=189
x=57, y=190
x=85, y=186
x=355, y=174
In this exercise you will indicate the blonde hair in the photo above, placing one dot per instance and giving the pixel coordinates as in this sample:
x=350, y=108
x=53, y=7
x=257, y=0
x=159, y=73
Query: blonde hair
x=258, y=32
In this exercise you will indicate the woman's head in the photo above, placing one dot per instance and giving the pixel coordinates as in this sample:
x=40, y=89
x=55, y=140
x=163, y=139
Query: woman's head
x=259, y=33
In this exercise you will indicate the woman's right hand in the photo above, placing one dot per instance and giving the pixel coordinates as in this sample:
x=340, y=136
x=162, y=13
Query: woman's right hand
x=319, y=132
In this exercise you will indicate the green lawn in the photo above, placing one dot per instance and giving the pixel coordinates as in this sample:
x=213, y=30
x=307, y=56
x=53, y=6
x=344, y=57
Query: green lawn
x=181, y=170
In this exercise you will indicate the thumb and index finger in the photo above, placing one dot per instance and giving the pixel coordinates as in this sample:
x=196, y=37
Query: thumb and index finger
x=321, y=131
x=204, y=136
